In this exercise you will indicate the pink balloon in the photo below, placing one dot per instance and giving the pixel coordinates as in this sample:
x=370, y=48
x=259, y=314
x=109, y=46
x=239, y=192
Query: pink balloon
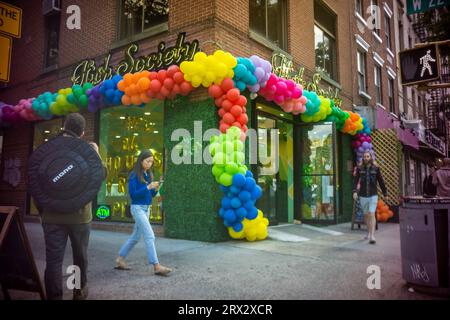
x=279, y=99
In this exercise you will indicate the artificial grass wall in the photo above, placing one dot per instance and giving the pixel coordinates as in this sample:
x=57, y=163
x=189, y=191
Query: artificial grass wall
x=346, y=177
x=191, y=195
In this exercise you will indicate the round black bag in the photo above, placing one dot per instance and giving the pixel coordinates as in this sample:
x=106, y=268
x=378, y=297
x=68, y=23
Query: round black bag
x=64, y=174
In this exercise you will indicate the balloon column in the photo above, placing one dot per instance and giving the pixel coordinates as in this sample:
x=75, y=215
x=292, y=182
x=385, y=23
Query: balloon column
x=226, y=78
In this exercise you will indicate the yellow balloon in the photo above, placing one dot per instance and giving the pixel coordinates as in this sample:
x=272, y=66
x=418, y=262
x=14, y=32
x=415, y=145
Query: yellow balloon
x=236, y=235
x=200, y=57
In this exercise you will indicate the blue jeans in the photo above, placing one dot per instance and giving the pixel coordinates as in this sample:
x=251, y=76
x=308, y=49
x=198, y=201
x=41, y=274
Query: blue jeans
x=142, y=226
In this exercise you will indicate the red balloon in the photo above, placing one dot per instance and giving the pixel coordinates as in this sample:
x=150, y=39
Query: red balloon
x=153, y=75
x=172, y=70
x=236, y=111
x=242, y=101
x=237, y=124
x=159, y=96
x=243, y=119
x=233, y=95
x=164, y=91
x=151, y=94
x=219, y=102
x=155, y=86
x=221, y=112
x=168, y=83
x=223, y=127
x=243, y=136
x=227, y=104
x=227, y=84
x=228, y=118
x=176, y=89
x=244, y=128
x=178, y=77
x=162, y=75
x=215, y=91
x=244, y=110
x=185, y=88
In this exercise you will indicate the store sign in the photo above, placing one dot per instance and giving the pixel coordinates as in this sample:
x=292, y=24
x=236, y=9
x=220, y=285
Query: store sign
x=88, y=71
x=10, y=20
x=419, y=65
x=5, y=54
x=435, y=142
x=103, y=212
x=283, y=67
x=418, y=6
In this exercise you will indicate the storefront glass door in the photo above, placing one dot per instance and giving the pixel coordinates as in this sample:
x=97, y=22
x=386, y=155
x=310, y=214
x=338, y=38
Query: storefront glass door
x=317, y=173
x=275, y=167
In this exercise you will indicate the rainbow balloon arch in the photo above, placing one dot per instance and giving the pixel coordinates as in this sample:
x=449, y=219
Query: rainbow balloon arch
x=226, y=77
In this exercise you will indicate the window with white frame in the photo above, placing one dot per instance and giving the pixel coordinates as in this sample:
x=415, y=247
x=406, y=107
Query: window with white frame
x=359, y=7
x=387, y=30
x=268, y=19
x=361, y=59
x=378, y=88
x=391, y=95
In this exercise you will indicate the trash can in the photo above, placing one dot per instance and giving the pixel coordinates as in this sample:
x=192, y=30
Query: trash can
x=425, y=243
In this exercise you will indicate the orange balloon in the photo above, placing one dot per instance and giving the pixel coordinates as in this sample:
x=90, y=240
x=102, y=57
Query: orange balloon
x=128, y=79
x=145, y=98
x=126, y=100
x=133, y=89
x=143, y=84
x=121, y=85
x=136, y=100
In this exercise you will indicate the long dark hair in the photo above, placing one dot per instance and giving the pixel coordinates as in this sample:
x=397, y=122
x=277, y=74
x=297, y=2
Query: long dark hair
x=138, y=170
x=372, y=162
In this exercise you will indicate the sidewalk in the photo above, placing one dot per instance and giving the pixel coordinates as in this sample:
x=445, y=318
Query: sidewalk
x=298, y=262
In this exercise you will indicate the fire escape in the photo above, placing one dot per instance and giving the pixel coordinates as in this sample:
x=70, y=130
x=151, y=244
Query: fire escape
x=438, y=105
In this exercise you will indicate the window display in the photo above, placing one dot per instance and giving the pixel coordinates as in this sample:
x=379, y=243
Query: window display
x=124, y=132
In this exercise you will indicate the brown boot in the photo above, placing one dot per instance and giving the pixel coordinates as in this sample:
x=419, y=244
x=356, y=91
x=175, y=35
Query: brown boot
x=121, y=264
x=162, y=271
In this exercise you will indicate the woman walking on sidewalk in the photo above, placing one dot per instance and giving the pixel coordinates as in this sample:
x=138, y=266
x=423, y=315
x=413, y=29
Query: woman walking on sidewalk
x=367, y=175
x=142, y=189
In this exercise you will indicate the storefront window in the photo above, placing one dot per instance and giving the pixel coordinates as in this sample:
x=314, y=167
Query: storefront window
x=317, y=172
x=44, y=131
x=268, y=19
x=139, y=16
x=124, y=132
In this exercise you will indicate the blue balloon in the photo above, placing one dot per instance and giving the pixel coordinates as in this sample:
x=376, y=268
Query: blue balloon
x=244, y=196
x=236, y=203
x=222, y=212
x=227, y=223
x=239, y=180
x=250, y=184
x=224, y=189
x=238, y=226
x=230, y=216
x=241, y=213
x=226, y=203
x=256, y=192
x=248, y=205
x=235, y=190
x=252, y=214
x=249, y=174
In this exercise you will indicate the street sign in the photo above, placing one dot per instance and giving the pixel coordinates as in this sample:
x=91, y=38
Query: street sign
x=5, y=54
x=10, y=20
x=419, y=65
x=417, y=6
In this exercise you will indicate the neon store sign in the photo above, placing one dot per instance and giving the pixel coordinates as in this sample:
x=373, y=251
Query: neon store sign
x=283, y=67
x=88, y=71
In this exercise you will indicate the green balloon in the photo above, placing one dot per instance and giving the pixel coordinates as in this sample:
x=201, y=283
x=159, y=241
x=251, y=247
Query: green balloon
x=217, y=171
x=213, y=148
x=227, y=147
x=87, y=86
x=238, y=145
x=226, y=179
x=239, y=157
x=243, y=170
x=77, y=91
x=71, y=98
x=231, y=168
x=83, y=101
x=219, y=159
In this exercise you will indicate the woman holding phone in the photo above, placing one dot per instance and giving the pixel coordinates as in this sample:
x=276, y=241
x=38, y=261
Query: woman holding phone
x=142, y=189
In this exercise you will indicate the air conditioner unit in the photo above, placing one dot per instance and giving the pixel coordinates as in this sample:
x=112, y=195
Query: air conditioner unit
x=50, y=7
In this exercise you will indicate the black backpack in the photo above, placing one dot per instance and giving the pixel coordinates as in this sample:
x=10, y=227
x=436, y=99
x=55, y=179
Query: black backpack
x=64, y=174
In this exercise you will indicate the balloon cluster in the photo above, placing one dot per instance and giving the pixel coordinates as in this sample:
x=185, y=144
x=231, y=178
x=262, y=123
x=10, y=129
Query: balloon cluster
x=112, y=96
x=79, y=96
x=281, y=90
x=227, y=151
x=362, y=144
x=384, y=213
x=208, y=69
x=262, y=72
x=62, y=106
x=244, y=74
x=366, y=128
x=353, y=124
x=231, y=106
x=41, y=105
x=312, y=104
x=252, y=230
x=9, y=115
x=135, y=87
x=325, y=109
x=338, y=117
x=168, y=83
x=25, y=110
x=2, y=121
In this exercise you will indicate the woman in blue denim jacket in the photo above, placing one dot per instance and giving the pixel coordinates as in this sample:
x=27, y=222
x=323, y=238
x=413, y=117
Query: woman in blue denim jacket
x=142, y=190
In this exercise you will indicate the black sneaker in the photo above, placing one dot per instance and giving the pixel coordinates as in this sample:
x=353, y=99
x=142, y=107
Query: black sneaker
x=372, y=242
x=80, y=294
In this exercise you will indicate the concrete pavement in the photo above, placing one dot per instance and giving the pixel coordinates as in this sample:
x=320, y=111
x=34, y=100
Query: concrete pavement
x=298, y=262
